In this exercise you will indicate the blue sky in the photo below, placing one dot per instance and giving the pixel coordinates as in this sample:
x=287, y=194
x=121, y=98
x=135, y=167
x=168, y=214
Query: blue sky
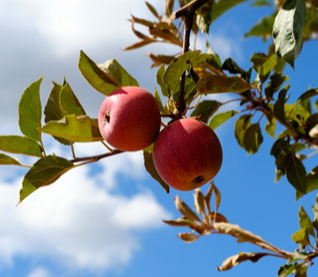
x=105, y=220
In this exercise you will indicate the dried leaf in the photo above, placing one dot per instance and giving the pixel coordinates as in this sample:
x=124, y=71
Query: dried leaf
x=188, y=237
x=186, y=210
x=239, y=258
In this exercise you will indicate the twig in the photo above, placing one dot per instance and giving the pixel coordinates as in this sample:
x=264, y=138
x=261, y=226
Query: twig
x=188, y=9
x=97, y=157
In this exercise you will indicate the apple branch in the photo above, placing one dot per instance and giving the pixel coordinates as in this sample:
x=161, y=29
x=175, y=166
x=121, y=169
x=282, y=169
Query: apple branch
x=96, y=158
x=187, y=12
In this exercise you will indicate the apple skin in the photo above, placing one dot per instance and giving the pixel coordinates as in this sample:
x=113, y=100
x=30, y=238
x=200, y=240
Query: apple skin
x=129, y=118
x=187, y=154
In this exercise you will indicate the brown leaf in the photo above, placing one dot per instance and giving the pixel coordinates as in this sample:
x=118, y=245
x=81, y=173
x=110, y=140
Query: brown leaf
x=188, y=237
x=180, y=222
x=186, y=210
x=159, y=59
x=239, y=258
x=139, y=44
x=217, y=217
x=199, y=202
x=237, y=232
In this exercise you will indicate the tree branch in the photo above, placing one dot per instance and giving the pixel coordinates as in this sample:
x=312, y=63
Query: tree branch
x=97, y=157
x=188, y=9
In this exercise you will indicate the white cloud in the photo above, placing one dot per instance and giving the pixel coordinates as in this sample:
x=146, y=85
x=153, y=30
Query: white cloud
x=74, y=24
x=39, y=272
x=76, y=221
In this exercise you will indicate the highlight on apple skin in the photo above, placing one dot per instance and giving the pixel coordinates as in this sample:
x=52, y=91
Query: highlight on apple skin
x=187, y=154
x=129, y=119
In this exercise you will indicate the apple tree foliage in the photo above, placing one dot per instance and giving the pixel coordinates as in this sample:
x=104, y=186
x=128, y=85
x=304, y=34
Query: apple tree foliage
x=182, y=79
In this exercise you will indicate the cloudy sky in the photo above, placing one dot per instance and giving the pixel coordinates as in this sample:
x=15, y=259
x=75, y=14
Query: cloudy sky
x=105, y=220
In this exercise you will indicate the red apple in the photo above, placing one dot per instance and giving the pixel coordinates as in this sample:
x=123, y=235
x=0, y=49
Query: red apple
x=187, y=154
x=129, y=119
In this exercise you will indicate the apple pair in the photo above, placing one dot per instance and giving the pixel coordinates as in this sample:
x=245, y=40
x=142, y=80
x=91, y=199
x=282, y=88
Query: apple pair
x=186, y=153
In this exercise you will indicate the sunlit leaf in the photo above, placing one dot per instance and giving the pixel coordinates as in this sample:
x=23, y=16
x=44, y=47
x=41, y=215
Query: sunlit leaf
x=270, y=127
x=152, y=9
x=30, y=111
x=44, y=172
x=74, y=128
x=287, y=30
x=20, y=145
x=7, y=160
x=177, y=67
x=220, y=118
x=69, y=103
x=305, y=221
x=105, y=77
x=199, y=202
x=301, y=237
x=204, y=16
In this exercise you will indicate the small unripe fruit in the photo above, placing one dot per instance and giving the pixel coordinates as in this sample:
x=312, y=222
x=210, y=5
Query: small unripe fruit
x=129, y=119
x=187, y=154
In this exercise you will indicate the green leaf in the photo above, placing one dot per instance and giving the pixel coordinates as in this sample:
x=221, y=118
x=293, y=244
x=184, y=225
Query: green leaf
x=287, y=269
x=263, y=64
x=288, y=28
x=106, y=77
x=218, y=84
x=270, y=127
x=204, y=16
x=30, y=111
x=220, y=118
x=301, y=237
x=176, y=68
x=44, y=172
x=232, y=67
x=279, y=106
x=158, y=99
x=74, y=128
x=296, y=172
x=239, y=258
x=20, y=145
x=150, y=167
x=69, y=102
x=6, y=160
x=159, y=76
x=206, y=109
x=311, y=182
x=223, y=6
x=53, y=110
x=276, y=81
x=308, y=94
x=305, y=221
x=241, y=125
x=253, y=138
x=262, y=29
